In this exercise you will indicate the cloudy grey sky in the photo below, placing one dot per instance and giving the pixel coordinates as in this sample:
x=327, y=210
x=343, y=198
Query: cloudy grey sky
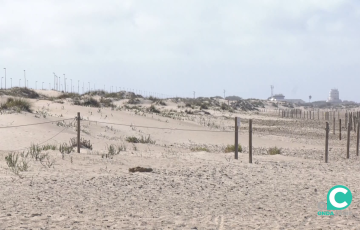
x=175, y=47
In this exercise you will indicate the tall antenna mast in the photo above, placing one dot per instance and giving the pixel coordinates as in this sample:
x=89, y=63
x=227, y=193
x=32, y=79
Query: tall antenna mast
x=272, y=91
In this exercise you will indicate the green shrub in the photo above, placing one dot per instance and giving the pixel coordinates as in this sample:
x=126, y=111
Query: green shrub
x=91, y=102
x=204, y=106
x=231, y=148
x=143, y=140
x=224, y=106
x=68, y=95
x=274, y=151
x=133, y=101
x=106, y=102
x=153, y=109
x=17, y=104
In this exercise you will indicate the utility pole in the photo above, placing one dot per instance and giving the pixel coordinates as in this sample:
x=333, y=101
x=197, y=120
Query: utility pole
x=224, y=93
x=10, y=82
x=25, y=78
x=64, y=83
x=194, y=94
x=5, y=77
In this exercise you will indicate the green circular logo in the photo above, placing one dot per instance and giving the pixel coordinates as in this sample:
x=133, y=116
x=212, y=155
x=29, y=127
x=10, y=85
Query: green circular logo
x=339, y=197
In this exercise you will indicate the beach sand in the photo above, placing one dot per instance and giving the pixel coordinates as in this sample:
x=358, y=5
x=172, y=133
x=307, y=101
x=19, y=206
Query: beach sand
x=188, y=188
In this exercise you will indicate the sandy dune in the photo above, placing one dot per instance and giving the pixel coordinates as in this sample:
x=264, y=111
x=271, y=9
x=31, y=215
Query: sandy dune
x=187, y=189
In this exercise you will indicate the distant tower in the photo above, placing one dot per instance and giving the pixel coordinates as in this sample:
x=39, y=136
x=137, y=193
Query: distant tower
x=334, y=96
x=272, y=91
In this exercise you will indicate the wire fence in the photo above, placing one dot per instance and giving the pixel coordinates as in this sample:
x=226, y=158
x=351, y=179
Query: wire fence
x=352, y=118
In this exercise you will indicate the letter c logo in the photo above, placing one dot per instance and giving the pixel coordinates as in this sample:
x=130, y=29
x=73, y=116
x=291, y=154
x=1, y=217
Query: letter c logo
x=344, y=198
x=332, y=198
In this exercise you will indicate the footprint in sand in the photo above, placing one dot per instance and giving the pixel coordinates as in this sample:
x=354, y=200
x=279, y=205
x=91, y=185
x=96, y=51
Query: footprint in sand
x=219, y=221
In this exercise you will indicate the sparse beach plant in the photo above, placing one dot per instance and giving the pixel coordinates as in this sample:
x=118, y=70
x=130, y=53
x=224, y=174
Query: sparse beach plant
x=231, y=148
x=274, y=151
x=142, y=139
x=200, y=149
x=153, y=109
x=64, y=148
x=15, y=164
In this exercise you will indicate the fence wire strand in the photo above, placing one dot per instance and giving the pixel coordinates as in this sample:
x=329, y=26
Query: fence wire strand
x=66, y=127
x=47, y=122
x=152, y=127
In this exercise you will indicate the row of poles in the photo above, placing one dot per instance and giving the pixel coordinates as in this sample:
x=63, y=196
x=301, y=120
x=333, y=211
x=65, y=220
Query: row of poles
x=352, y=121
x=237, y=124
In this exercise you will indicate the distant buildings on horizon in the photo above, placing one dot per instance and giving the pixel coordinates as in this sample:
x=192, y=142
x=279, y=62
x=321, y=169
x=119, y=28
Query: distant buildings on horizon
x=281, y=97
x=333, y=98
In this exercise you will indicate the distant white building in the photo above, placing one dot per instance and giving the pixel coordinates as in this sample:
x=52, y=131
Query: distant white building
x=281, y=97
x=334, y=96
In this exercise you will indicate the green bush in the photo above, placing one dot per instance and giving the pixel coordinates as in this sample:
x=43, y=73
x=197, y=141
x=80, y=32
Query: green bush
x=153, y=109
x=17, y=104
x=106, y=102
x=143, y=140
x=204, y=106
x=68, y=95
x=91, y=102
x=274, y=151
x=231, y=148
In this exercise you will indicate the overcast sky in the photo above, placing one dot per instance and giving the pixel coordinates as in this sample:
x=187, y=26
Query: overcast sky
x=175, y=47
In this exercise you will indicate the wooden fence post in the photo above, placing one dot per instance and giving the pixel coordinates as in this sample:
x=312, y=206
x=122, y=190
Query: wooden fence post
x=357, y=139
x=250, y=141
x=339, y=129
x=78, y=132
x=236, y=138
x=327, y=142
x=346, y=119
x=348, y=142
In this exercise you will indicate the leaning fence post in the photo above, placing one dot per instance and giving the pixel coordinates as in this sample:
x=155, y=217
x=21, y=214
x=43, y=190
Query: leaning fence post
x=348, y=141
x=327, y=142
x=250, y=140
x=78, y=132
x=237, y=121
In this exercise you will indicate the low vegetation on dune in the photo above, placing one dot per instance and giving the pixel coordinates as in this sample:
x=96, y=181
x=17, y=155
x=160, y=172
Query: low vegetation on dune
x=231, y=149
x=274, y=151
x=16, y=104
x=69, y=95
x=200, y=149
x=20, y=92
x=153, y=109
x=91, y=102
x=142, y=139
